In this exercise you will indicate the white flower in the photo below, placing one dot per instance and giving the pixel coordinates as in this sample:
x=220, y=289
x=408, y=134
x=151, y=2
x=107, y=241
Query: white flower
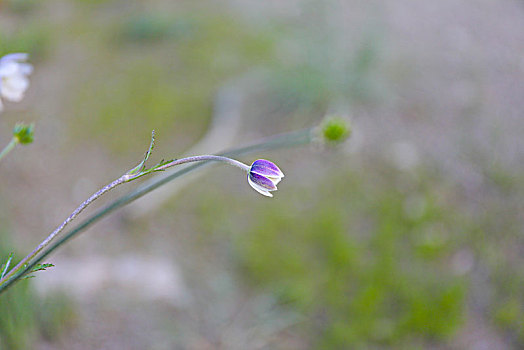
x=13, y=76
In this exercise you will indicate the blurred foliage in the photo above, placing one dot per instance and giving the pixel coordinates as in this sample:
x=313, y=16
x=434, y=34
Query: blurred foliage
x=33, y=39
x=299, y=87
x=21, y=6
x=24, y=316
x=496, y=234
x=359, y=290
x=366, y=263
x=56, y=314
x=172, y=84
x=18, y=324
x=150, y=27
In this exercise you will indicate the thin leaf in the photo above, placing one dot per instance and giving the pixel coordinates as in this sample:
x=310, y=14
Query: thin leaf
x=140, y=167
x=41, y=267
x=38, y=267
x=5, y=266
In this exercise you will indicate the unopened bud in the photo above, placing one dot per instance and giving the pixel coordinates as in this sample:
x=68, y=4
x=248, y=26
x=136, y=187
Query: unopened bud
x=23, y=133
x=335, y=129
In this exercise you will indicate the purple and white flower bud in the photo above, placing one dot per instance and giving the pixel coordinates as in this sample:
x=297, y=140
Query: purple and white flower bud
x=264, y=176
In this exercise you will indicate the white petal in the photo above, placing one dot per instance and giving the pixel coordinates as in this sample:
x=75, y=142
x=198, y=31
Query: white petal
x=8, y=68
x=13, y=88
x=25, y=68
x=274, y=180
x=259, y=188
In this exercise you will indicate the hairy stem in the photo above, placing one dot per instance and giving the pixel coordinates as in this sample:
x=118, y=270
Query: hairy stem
x=59, y=229
x=291, y=139
x=105, y=189
x=203, y=158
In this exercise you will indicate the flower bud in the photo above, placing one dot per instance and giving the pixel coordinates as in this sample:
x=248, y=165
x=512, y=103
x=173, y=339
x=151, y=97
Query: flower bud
x=335, y=129
x=264, y=176
x=23, y=133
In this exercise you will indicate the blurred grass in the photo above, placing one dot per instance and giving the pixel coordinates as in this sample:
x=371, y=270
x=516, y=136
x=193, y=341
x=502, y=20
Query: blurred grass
x=367, y=264
x=24, y=316
x=33, y=39
x=135, y=83
x=21, y=7
x=380, y=288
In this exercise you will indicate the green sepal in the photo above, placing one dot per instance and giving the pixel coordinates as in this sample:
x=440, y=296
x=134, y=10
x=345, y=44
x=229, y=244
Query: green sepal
x=24, y=133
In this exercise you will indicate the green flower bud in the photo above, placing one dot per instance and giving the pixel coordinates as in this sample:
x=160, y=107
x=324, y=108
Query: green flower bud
x=335, y=129
x=23, y=133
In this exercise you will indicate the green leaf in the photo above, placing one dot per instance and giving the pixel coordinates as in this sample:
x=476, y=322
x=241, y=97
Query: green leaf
x=6, y=265
x=41, y=267
x=38, y=267
x=161, y=163
x=140, y=167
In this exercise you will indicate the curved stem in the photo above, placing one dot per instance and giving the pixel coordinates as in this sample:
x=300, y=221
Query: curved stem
x=205, y=157
x=290, y=139
x=10, y=146
x=99, y=193
x=59, y=229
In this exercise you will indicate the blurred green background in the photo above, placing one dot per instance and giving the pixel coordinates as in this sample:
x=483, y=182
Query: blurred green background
x=409, y=236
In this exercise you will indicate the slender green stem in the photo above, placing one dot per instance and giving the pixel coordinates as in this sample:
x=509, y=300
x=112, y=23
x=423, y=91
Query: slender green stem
x=59, y=229
x=10, y=146
x=124, y=178
x=291, y=139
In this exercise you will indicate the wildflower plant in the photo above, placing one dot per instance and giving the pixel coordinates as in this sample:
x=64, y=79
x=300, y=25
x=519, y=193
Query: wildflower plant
x=14, y=81
x=262, y=175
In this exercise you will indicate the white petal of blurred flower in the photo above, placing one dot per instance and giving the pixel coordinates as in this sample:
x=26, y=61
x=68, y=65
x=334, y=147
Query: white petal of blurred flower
x=14, y=76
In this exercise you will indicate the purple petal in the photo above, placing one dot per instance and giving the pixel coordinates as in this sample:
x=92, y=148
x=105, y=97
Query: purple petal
x=262, y=181
x=266, y=168
x=258, y=188
x=15, y=57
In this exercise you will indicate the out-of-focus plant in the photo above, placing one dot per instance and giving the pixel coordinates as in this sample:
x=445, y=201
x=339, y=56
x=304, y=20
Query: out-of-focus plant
x=25, y=315
x=14, y=77
x=14, y=82
x=22, y=134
